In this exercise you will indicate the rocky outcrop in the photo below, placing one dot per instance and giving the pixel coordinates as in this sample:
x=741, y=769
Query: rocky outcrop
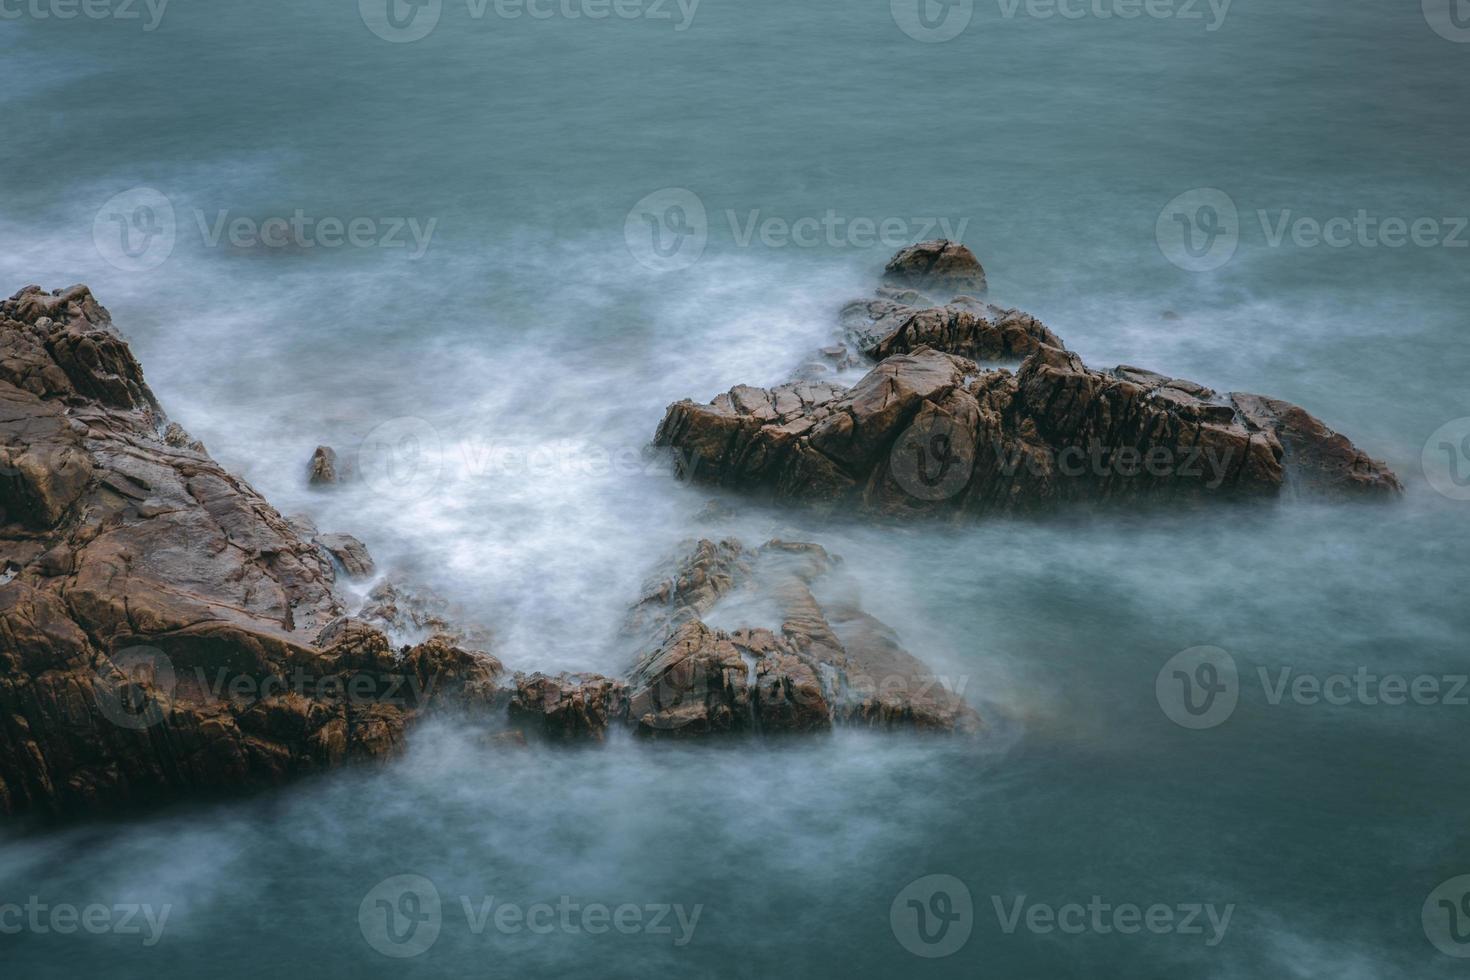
x=321, y=470
x=163, y=630
x=824, y=664
x=940, y=267
x=929, y=429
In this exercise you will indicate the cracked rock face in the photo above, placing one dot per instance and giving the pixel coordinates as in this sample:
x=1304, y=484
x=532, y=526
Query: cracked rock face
x=930, y=430
x=940, y=267
x=821, y=665
x=163, y=630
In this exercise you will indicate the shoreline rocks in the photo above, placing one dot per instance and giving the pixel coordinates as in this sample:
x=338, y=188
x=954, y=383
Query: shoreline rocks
x=166, y=633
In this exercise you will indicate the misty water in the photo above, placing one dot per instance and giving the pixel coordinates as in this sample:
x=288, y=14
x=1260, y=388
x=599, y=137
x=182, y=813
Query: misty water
x=529, y=355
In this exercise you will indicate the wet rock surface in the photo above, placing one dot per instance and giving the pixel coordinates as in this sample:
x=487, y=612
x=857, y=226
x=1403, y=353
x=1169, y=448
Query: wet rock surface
x=938, y=267
x=816, y=665
x=935, y=427
x=163, y=630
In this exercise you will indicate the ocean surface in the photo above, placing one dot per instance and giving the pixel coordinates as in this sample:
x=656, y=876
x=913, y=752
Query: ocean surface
x=421, y=234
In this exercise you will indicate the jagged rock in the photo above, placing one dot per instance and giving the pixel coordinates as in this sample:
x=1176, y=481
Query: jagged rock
x=929, y=431
x=322, y=470
x=350, y=552
x=940, y=266
x=822, y=667
x=992, y=335
x=162, y=627
x=567, y=706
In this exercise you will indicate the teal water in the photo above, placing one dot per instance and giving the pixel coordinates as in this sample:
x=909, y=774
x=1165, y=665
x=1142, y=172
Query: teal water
x=533, y=354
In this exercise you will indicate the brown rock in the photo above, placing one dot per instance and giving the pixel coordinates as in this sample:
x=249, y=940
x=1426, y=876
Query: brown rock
x=941, y=266
x=322, y=470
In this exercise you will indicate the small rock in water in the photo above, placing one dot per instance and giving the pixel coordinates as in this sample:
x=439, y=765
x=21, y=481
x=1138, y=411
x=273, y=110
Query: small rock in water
x=323, y=467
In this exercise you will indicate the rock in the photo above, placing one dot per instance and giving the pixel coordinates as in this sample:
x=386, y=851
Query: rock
x=322, y=470
x=994, y=335
x=927, y=431
x=351, y=553
x=163, y=630
x=939, y=266
x=822, y=667
x=567, y=706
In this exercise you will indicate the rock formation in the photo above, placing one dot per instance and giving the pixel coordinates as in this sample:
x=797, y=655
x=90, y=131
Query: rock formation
x=929, y=429
x=163, y=630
